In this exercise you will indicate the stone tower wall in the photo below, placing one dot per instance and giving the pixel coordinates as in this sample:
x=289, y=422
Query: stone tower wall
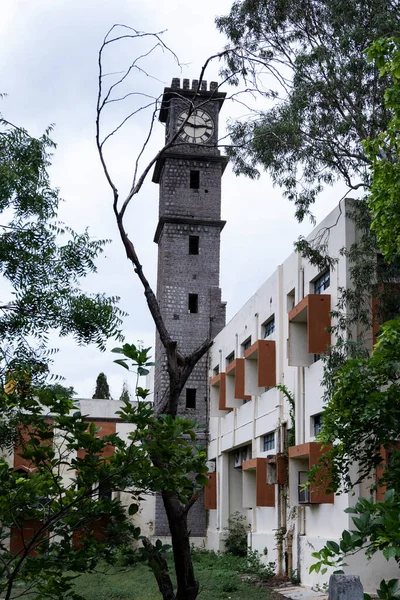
x=185, y=212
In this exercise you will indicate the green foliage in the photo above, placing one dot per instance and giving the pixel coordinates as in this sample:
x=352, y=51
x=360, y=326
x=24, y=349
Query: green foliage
x=125, y=393
x=388, y=590
x=102, y=391
x=365, y=392
x=327, y=97
x=41, y=259
x=137, y=355
x=66, y=489
x=63, y=492
x=60, y=390
x=235, y=539
x=291, y=437
x=384, y=152
x=376, y=529
x=217, y=573
x=257, y=568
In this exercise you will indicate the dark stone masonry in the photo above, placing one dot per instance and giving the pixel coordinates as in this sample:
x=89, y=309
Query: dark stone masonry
x=188, y=238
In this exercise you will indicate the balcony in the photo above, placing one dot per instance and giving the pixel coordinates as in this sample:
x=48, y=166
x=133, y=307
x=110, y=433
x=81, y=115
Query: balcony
x=235, y=383
x=218, y=406
x=256, y=468
x=309, y=322
x=260, y=367
x=210, y=492
x=301, y=459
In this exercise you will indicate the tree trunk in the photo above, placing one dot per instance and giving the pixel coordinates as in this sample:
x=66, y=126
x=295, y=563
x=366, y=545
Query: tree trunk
x=160, y=570
x=187, y=586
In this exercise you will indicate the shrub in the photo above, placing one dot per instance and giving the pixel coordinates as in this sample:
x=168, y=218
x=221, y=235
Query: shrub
x=236, y=536
x=254, y=566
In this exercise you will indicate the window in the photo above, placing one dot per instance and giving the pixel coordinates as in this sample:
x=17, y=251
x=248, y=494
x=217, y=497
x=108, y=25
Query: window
x=322, y=282
x=246, y=344
x=194, y=180
x=230, y=358
x=104, y=491
x=303, y=490
x=290, y=299
x=193, y=244
x=190, y=398
x=269, y=441
x=193, y=304
x=269, y=327
x=316, y=358
x=317, y=423
x=216, y=370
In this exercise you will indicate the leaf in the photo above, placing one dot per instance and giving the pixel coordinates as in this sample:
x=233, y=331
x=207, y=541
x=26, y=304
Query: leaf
x=122, y=363
x=133, y=509
x=142, y=371
x=334, y=547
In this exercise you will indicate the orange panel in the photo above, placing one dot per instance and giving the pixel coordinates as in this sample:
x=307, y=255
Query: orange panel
x=314, y=451
x=253, y=350
x=318, y=494
x=265, y=493
x=298, y=308
x=239, y=380
x=264, y=352
x=319, y=320
x=210, y=492
x=385, y=454
x=20, y=537
x=251, y=463
x=95, y=529
x=24, y=432
x=381, y=489
x=375, y=323
x=107, y=428
x=299, y=451
x=222, y=393
x=266, y=363
x=376, y=317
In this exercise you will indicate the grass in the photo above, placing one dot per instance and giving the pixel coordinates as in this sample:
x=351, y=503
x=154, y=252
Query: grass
x=217, y=574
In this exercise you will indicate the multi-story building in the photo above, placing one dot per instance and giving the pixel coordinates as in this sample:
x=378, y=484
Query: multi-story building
x=260, y=453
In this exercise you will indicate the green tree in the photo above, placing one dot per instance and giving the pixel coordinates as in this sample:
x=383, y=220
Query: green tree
x=334, y=116
x=361, y=418
x=61, y=390
x=67, y=491
x=125, y=393
x=102, y=391
x=326, y=97
x=42, y=260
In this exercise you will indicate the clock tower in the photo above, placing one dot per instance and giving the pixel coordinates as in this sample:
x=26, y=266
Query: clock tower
x=188, y=236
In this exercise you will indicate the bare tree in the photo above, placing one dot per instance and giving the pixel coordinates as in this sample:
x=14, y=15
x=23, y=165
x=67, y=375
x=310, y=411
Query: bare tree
x=179, y=365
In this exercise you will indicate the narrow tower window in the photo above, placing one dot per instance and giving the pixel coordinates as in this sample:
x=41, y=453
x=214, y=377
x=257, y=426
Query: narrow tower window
x=193, y=244
x=193, y=304
x=190, y=398
x=194, y=180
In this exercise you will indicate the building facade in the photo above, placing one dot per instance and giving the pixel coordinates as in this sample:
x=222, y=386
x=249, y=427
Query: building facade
x=261, y=447
x=188, y=236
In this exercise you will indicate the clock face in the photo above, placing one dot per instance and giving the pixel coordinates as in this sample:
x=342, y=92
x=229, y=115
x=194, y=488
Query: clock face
x=199, y=127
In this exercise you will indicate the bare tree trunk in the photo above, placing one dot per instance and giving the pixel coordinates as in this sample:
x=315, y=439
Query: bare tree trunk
x=187, y=585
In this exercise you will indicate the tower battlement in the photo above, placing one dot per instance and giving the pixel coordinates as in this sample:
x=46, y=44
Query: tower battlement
x=176, y=85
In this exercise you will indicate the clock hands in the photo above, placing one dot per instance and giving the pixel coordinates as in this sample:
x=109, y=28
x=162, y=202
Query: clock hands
x=201, y=126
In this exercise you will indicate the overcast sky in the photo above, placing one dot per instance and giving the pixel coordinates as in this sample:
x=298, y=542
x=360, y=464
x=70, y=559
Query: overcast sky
x=48, y=68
